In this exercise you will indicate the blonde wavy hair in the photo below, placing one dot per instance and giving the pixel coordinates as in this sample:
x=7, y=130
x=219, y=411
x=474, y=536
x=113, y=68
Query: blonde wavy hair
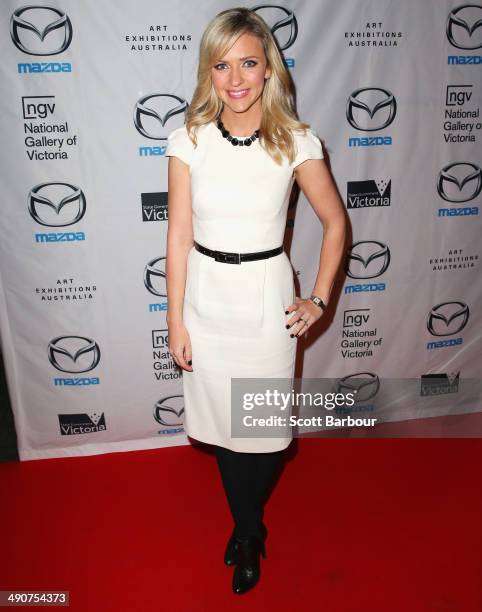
x=278, y=115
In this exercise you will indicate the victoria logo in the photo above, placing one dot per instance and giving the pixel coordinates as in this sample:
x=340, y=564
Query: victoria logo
x=168, y=411
x=364, y=103
x=447, y=318
x=154, y=274
x=40, y=30
x=284, y=27
x=455, y=184
x=368, y=194
x=150, y=120
x=364, y=385
x=45, y=211
x=74, y=354
x=464, y=27
x=373, y=256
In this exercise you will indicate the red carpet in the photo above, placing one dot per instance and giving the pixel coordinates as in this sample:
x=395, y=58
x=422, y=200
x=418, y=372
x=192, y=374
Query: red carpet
x=355, y=525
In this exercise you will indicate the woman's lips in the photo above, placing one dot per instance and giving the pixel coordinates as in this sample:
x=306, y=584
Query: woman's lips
x=238, y=94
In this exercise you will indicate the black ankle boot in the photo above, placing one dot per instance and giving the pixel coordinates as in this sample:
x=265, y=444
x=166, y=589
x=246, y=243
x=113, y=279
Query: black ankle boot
x=231, y=552
x=247, y=570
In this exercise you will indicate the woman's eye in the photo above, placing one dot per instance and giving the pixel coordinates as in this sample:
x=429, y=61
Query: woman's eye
x=221, y=66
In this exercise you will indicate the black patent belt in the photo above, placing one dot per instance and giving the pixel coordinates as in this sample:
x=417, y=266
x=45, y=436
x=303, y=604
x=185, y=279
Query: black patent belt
x=237, y=258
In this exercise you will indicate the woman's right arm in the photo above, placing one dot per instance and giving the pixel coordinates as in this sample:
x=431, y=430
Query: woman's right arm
x=179, y=243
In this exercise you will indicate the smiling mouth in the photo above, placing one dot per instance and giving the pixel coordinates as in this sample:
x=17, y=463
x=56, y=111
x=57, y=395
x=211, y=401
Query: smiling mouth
x=237, y=93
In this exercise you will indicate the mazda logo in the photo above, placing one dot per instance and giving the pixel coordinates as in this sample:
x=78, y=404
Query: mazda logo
x=462, y=24
x=364, y=103
x=31, y=25
x=154, y=273
x=168, y=411
x=447, y=318
x=46, y=212
x=452, y=175
x=363, y=389
x=150, y=120
x=73, y=354
x=284, y=28
x=373, y=256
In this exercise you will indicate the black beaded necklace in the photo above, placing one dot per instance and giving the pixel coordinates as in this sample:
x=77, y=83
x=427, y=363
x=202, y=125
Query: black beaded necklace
x=236, y=141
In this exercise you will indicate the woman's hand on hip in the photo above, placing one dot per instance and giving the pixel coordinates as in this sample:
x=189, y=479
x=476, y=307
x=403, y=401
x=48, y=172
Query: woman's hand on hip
x=180, y=345
x=305, y=313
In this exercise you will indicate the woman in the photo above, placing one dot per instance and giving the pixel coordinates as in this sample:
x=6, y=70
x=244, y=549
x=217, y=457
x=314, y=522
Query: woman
x=231, y=170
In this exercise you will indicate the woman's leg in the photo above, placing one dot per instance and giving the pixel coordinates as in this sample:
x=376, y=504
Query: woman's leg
x=268, y=466
x=238, y=471
x=247, y=479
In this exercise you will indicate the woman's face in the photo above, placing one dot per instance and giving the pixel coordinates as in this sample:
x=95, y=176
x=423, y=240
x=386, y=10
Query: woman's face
x=239, y=76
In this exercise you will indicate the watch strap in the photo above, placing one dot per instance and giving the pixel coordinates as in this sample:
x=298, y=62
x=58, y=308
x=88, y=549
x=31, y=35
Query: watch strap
x=318, y=301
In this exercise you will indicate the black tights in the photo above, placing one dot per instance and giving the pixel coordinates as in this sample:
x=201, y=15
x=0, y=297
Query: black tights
x=247, y=479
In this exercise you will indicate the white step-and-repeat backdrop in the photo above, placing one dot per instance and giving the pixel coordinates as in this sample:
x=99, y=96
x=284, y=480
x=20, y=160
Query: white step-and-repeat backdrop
x=90, y=92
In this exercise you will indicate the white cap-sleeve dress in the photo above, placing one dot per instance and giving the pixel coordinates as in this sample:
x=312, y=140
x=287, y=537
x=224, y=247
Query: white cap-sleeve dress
x=235, y=313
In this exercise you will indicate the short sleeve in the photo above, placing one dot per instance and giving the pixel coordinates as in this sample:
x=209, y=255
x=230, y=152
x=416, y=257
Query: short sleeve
x=308, y=146
x=180, y=145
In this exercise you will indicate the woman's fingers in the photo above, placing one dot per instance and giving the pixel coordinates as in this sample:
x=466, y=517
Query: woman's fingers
x=300, y=325
x=181, y=357
x=180, y=349
x=302, y=317
x=182, y=361
x=188, y=357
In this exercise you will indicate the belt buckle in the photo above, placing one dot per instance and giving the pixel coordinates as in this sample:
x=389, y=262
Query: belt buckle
x=225, y=257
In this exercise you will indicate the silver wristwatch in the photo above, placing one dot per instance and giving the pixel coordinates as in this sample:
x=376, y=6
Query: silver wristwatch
x=318, y=301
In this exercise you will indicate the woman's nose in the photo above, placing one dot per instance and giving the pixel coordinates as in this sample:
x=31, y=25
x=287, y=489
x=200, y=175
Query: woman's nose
x=236, y=77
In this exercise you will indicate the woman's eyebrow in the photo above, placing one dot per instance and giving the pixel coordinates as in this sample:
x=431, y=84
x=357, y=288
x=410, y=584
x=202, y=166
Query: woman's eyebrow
x=241, y=58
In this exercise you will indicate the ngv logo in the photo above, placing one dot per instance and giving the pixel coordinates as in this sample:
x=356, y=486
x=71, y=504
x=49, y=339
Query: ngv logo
x=155, y=280
x=73, y=354
x=160, y=339
x=38, y=107
x=56, y=204
x=447, y=318
x=283, y=25
x=464, y=29
x=367, y=259
x=356, y=317
x=168, y=412
x=150, y=118
x=40, y=30
x=458, y=95
x=371, y=109
x=459, y=182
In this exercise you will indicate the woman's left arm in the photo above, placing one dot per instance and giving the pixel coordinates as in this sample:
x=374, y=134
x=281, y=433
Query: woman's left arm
x=314, y=179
